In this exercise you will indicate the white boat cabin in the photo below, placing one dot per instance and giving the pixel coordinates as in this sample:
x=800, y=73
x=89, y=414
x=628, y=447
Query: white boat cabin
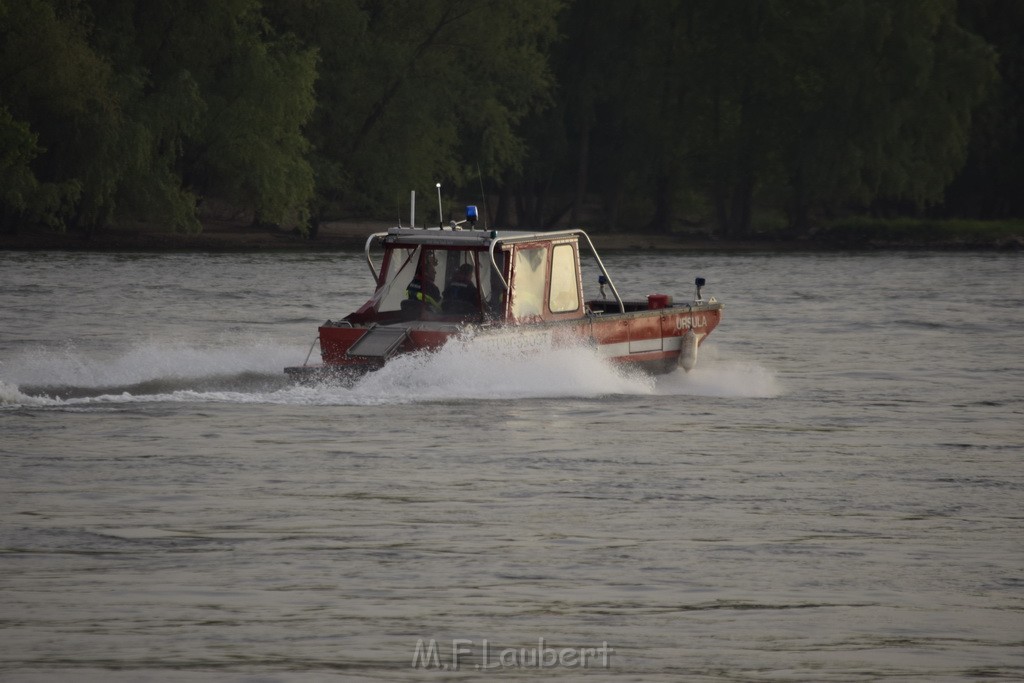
x=479, y=275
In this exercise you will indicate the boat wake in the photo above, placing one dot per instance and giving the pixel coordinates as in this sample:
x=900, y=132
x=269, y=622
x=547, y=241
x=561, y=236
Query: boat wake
x=145, y=372
x=469, y=368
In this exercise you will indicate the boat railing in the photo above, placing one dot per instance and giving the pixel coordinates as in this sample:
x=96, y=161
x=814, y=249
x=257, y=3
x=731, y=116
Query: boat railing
x=600, y=264
x=369, y=260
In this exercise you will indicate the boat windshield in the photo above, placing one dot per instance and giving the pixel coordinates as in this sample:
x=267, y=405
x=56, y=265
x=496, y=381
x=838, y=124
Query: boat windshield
x=447, y=265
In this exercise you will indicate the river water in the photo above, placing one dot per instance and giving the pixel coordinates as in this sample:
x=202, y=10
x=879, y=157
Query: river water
x=836, y=493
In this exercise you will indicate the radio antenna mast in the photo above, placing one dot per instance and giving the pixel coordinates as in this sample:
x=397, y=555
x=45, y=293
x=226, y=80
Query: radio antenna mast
x=440, y=218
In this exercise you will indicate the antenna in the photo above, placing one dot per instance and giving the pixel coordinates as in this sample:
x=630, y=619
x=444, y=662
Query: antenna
x=412, y=209
x=440, y=218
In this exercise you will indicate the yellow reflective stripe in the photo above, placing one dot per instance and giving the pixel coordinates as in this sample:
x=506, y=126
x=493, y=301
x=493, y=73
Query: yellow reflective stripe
x=426, y=298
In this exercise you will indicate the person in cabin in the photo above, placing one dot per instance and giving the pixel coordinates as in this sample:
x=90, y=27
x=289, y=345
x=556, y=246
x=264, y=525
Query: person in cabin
x=461, y=296
x=422, y=287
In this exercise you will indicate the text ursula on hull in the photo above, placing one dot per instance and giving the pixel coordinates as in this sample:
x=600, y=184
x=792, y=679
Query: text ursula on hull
x=485, y=656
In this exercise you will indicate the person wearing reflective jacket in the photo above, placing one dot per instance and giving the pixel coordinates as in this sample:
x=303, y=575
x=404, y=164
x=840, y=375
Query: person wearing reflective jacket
x=422, y=288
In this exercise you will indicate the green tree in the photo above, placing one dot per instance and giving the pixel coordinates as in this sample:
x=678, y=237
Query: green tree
x=819, y=104
x=889, y=118
x=598, y=140
x=224, y=100
x=125, y=108
x=416, y=91
x=60, y=105
x=805, y=106
x=989, y=185
x=18, y=184
x=163, y=109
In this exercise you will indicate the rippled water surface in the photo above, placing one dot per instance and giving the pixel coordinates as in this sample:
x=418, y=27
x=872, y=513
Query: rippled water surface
x=836, y=493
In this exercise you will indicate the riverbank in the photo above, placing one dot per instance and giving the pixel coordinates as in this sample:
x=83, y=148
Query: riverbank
x=348, y=235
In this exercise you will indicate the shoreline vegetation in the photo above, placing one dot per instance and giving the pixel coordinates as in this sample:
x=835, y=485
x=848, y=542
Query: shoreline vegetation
x=231, y=236
x=701, y=124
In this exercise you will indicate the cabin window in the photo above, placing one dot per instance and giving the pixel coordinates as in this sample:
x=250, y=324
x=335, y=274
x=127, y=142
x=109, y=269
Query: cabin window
x=529, y=276
x=405, y=261
x=565, y=287
x=401, y=269
x=458, y=299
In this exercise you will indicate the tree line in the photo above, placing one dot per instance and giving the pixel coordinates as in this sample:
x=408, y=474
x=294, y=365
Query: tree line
x=651, y=115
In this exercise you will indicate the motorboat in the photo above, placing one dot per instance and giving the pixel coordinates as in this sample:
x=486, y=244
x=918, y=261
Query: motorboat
x=434, y=284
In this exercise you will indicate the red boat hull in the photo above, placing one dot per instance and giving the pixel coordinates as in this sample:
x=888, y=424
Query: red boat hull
x=649, y=339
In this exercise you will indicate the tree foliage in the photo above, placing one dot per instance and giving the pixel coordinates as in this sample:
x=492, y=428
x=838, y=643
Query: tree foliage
x=141, y=108
x=990, y=184
x=622, y=114
x=804, y=106
x=415, y=91
x=60, y=116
